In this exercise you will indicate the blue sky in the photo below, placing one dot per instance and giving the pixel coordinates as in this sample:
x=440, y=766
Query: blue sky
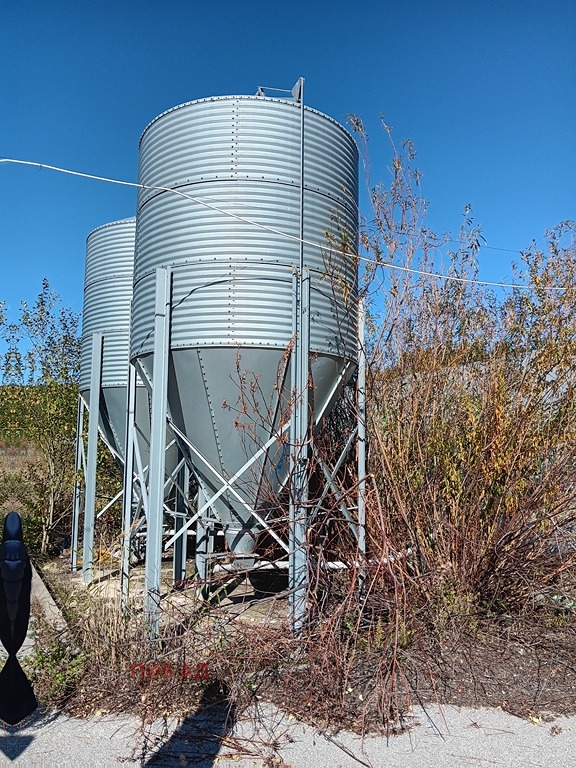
x=484, y=89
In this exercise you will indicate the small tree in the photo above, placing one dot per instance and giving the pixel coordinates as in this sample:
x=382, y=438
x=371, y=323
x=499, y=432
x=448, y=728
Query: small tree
x=38, y=406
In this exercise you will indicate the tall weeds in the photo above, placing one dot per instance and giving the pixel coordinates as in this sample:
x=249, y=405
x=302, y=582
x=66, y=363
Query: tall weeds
x=472, y=411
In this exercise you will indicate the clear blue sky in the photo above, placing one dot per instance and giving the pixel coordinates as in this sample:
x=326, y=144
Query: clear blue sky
x=484, y=88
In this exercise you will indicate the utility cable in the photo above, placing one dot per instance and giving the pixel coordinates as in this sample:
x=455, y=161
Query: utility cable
x=272, y=230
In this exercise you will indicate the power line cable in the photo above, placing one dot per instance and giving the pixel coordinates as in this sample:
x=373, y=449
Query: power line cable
x=272, y=230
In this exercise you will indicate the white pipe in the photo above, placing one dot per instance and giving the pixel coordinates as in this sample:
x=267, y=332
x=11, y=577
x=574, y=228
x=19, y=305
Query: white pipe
x=331, y=565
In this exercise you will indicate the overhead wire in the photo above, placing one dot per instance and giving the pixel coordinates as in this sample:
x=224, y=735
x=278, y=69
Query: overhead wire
x=281, y=233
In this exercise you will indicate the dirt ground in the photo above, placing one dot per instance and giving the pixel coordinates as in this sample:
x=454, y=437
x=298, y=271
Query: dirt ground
x=527, y=668
x=524, y=665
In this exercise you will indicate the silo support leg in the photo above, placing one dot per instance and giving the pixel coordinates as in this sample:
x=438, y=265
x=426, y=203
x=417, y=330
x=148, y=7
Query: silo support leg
x=128, y=483
x=91, y=459
x=299, y=458
x=181, y=543
x=80, y=465
x=152, y=572
x=204, y=544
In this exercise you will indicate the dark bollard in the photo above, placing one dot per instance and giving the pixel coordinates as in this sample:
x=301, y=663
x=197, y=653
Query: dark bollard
x=17, y=699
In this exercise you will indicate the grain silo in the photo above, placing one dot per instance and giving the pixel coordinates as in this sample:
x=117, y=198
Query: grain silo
x=239, y=193
x=107, y=300
x=104, y=370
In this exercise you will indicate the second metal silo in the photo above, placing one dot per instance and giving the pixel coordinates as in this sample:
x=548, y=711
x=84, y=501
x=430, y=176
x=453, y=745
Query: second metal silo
x=104, y=365
x=107, y=300
x=104, y=371
x=224, y=206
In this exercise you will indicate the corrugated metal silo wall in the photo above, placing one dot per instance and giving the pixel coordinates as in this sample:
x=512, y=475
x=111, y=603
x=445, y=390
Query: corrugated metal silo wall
x=107, y=301
x=232, y=285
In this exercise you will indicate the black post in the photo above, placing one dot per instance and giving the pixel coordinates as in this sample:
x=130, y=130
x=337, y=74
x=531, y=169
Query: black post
x=17, y=699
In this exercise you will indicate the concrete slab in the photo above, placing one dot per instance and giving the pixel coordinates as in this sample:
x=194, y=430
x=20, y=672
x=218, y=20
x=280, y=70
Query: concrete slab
x=449, y=738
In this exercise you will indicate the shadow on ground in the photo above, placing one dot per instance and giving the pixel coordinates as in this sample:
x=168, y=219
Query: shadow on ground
x=198, y=740
x=15, y=739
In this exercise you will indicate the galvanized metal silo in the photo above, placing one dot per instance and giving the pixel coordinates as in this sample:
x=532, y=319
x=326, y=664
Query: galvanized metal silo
x=107, y=300
x=223, y=206
x=105, y=377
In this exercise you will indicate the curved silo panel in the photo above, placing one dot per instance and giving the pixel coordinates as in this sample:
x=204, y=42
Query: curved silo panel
x=233, y=281
x=107, y=301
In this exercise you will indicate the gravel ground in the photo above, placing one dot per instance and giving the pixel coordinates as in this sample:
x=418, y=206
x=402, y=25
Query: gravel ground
x=454, y=737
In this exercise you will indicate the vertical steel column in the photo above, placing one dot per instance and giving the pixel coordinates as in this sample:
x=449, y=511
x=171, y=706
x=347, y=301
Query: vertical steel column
x=156, y=469
x=204, y=544
x=77, y=485
x=181, y=543
x=299, y=457
x=299, y=423
x=128, y=482
x=91, y=458
x=361, y=461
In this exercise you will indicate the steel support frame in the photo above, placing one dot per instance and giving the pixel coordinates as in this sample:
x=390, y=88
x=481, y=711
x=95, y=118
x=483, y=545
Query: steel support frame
x=156, y=468
x=91, y=458
x=225, y=486
x=151, y=479
x=86, y=460
x=300, y=442
x=300, y=516
x=79, y=467
x=181, y=543
x=299, y=456
x=330, y=485
x=128, y=484
x=300, y=421
x=204, y=541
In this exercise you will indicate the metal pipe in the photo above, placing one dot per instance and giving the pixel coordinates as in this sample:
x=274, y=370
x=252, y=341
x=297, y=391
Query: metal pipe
x=330, y=565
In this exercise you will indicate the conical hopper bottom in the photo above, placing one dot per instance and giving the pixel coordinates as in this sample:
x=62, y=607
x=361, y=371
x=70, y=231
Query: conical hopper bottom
x=230, y=403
